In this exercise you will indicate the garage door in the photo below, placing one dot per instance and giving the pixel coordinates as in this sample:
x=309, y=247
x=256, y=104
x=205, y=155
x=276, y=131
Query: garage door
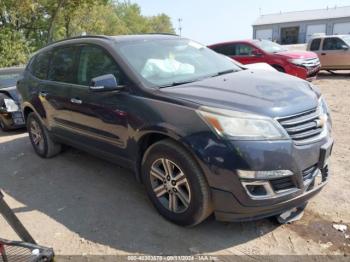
x=264, y=34
x=314, y=29
x=341, y=29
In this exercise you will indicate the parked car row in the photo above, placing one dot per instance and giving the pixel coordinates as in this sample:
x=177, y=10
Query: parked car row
x=323, y=53
x=202, y=132
x=302, y=64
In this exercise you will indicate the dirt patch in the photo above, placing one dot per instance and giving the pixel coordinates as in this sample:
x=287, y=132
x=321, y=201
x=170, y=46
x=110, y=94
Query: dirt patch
x=314, y=227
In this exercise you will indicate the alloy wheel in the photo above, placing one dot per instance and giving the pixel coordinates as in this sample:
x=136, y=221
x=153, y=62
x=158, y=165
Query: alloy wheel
x=170, y=185
x=37, y=135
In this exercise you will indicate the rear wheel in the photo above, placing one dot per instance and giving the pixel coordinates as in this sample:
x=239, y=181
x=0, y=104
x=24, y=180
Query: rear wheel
x=175, y=184
x=40, y=138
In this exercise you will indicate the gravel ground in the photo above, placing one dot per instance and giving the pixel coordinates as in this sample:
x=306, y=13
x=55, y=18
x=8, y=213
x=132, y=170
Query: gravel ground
x=79, y=204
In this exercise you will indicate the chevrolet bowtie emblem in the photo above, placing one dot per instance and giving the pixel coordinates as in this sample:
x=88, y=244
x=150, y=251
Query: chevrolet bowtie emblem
x=321, y=121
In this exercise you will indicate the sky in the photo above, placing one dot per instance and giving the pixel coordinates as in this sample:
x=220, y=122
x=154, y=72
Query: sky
x=209, y=21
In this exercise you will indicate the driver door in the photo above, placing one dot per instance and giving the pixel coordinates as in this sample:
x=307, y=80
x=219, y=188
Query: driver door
x=99, y=118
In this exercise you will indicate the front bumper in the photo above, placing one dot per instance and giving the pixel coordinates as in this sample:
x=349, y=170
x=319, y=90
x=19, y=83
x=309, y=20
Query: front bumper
x=228, y=208
x=306, y=73
x=12, y=120
x=230, y=197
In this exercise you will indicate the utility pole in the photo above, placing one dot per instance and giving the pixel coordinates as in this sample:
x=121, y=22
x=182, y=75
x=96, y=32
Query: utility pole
x=180, y=26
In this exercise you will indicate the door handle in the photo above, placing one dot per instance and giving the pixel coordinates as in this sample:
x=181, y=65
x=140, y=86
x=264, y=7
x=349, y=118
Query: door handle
x=76, y=101
x=323, y=53
x=43, y=93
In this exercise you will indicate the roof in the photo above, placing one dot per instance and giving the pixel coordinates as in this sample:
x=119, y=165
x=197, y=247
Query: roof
x=307, y=15
x=119, y=37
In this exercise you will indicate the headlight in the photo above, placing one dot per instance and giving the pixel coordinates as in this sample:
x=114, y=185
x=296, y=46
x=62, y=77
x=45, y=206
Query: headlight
x=323, y=107
x=325, y=112
x=241, y=126
x=11, y=105
x=298, y=61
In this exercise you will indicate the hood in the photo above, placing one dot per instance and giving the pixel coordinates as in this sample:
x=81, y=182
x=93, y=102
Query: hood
x=11, y=92
x=297, y=54
x=260, y=92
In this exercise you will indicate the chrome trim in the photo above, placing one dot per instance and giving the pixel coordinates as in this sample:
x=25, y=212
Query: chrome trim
x=268, y=188
x=301, y=120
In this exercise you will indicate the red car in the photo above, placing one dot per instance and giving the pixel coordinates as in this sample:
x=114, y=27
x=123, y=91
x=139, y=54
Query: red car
x=302, y=64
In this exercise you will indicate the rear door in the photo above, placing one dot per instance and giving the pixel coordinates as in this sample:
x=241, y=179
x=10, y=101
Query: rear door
x=333, y=55
x=99, y=118
x=55, y=88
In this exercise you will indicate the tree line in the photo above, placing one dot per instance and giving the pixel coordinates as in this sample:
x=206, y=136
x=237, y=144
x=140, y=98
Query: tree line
x=28, y=25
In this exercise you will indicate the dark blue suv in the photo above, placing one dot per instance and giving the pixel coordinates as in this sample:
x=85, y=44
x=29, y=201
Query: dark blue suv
x=201, y=132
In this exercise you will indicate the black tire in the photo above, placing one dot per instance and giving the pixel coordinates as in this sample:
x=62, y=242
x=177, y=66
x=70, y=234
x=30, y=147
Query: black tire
x=48, y=148
x=200, y=205
x=279, y=68
x=3, y=126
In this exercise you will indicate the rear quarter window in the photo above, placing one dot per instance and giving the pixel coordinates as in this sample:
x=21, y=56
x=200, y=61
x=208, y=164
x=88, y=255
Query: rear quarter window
x=225, y=49
x=315, y=44
x=40, y=64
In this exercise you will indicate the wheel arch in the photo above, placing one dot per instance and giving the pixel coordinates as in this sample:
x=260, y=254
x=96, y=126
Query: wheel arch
x=26, y=111
x=152, y=137
x=279, y=68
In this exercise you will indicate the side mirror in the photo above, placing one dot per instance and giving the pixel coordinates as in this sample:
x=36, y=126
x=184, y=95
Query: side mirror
x=344, y=47
x=257, y=53
x=104, y=83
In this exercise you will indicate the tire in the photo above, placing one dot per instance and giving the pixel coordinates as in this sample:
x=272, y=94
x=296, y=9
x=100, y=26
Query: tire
x=40, y=138
x=279, y=68
x=190, y=188
x=3, y=126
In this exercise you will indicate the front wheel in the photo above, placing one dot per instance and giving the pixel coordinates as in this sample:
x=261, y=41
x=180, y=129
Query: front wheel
x=40, y=138
x=3, y=126
x=175, y=184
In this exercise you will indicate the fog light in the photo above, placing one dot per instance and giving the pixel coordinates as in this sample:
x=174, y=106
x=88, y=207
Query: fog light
x=264, y=174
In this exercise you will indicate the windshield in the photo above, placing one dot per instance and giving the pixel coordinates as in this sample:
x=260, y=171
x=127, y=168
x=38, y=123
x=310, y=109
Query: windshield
x=174, y=61
x=269, y=47
x=8, y=80
x=346, y=39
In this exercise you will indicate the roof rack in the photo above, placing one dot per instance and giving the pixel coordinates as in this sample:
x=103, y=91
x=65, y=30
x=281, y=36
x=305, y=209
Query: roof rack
x=159, y=34
x=80, y=37
x=105, y=37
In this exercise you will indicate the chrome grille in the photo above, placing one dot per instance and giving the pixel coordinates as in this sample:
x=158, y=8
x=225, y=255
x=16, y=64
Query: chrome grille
x=311, y=62
x=303, y=127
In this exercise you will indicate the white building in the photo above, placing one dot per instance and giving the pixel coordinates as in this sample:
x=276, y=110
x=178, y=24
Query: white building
x=299, y=27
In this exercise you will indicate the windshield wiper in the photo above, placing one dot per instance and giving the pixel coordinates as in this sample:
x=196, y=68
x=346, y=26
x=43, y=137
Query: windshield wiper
x=199, y=79
x=225, y=72
x=177, y=83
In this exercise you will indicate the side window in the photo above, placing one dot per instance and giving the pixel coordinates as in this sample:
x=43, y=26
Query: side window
x=227, y=49
x=40, y=64
x=62, y=65
x=315, y=44
x=332, y=43
x=94, y=61
x=243, y=50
